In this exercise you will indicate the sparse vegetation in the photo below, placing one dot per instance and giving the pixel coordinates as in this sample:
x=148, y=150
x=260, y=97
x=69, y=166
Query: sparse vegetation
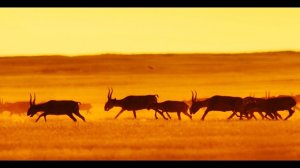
x=147, y=138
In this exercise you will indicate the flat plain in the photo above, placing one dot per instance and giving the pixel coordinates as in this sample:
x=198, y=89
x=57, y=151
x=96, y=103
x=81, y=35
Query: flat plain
x=172, y=77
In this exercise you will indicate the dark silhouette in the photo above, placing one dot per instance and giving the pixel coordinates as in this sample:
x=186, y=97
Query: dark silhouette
x=218, y=103
x=55, y=107
x=21, y=107
x=272, y=105
x=252, y=104
x=131, y=103
x=171, y=106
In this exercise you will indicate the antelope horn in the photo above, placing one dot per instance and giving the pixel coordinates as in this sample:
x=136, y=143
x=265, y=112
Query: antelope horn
x=30, y=101
x=108, y=95
x=34, y=98
x=111, y=92
x=266, y=94
x=192, y=96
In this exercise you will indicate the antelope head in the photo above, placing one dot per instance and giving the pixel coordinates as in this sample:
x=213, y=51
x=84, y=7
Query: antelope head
x=195, y=104
x=32, y=109
x=110, y=102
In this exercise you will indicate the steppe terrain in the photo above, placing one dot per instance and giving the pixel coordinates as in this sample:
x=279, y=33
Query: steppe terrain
x=172, y=77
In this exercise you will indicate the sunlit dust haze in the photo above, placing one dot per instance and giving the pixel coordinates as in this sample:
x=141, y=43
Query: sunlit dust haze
x=75, y=31
x=79, y=53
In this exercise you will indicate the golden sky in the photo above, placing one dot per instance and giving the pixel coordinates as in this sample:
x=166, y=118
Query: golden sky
x=75, y=31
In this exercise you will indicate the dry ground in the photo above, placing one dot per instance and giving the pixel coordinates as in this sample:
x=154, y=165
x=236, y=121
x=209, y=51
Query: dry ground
x=87, y=78
x=149, y=139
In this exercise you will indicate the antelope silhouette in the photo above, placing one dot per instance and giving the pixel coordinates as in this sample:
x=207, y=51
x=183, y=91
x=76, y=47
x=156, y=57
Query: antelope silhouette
x=55, y=107
x=131, y=103
x=171, y=106
x=252, y=104
x=218, y=103
x=272, y=105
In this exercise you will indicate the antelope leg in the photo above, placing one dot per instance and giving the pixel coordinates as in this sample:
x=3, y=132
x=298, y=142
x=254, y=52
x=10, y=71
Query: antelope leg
x=187, y=114
x=122, y=110
x=278, y=115
x=45, y=117
x=161, y=113
x=80, y=116
x=205, y=113
x=291, y=113
x=72, y=117
x=261, y=114
x=39, y=117
x=252, y=115
x=234, y=113
x=168, y=115
x=178, y=114
x=134, y=114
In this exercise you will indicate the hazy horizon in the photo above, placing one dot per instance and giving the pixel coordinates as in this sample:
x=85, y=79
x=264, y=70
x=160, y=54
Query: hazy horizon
x=156, y=53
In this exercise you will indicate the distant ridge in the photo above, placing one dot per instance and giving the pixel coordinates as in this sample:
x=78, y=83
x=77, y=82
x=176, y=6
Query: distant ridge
x=163, y=54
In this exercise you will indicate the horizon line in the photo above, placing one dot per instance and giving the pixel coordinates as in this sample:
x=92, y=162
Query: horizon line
x=153, y=53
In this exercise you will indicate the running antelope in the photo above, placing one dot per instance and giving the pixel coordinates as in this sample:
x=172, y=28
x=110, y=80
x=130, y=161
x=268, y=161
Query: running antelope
x=55, y=107
x=272, y=105
x=131, y=103
x=171, y=106
x=252, y=104
x=217, y=103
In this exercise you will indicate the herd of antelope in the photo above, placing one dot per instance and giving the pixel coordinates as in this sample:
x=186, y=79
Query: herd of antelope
x=240, y=107
x=267, y=108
